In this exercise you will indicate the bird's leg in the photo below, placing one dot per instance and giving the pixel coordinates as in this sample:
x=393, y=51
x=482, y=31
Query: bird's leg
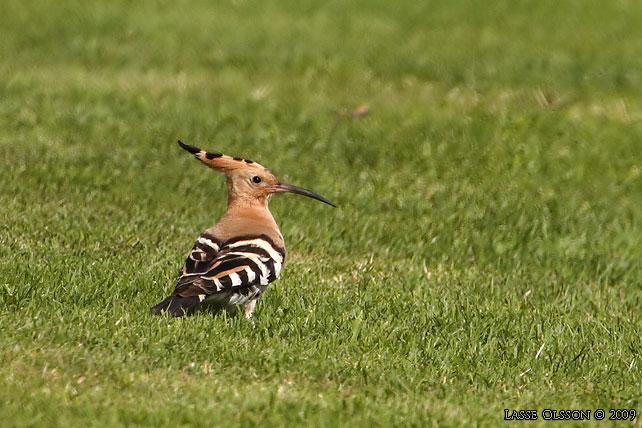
x=249, y=308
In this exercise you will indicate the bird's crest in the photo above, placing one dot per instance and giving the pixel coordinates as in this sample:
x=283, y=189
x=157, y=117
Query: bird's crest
x=221, y=162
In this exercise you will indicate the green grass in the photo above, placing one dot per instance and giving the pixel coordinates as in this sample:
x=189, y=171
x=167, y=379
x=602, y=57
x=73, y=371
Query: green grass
x=487, y=252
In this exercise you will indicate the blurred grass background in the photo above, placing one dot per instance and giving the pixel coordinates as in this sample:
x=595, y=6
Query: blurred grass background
x=487, y=249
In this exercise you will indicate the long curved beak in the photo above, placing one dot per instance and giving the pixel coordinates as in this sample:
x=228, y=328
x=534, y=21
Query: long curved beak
x=283, y=187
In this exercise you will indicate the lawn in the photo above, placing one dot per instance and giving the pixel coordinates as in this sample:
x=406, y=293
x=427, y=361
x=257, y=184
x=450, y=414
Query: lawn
x=487, y=249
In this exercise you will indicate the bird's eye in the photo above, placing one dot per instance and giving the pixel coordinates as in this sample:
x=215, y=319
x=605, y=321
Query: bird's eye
x=256, y=179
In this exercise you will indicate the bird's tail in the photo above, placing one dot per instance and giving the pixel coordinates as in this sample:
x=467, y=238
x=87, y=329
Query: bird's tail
x=176, y=306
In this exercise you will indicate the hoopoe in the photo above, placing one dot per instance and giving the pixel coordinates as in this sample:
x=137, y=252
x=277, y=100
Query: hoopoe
x=233, y=261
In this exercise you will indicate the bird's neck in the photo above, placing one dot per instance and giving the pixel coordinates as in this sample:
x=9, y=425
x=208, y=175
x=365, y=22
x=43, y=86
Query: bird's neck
x=240, y=205
x=243, y=217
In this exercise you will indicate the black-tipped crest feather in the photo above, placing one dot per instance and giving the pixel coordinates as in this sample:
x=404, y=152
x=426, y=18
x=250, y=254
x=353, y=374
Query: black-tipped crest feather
x=188, y=147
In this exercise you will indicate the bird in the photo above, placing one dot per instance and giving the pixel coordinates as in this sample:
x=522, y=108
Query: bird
x=232, y=262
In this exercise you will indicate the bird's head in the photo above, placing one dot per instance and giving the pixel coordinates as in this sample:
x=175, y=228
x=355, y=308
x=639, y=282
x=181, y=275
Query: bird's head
x=247, y=182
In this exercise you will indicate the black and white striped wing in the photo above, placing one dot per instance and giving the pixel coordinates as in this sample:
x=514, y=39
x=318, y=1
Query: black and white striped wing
x=200, y=257
x=238, y=264
x=232, y=272
x=198, y=262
